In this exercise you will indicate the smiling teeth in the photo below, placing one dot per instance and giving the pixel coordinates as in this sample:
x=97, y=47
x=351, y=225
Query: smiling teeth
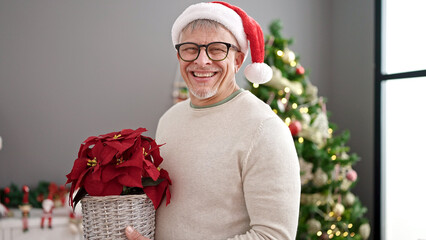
x=203, y=74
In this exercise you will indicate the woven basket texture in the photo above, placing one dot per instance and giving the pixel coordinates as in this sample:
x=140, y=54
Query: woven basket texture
x=107, y=217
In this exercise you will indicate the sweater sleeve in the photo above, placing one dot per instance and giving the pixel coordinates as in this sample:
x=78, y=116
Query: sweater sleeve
x=271, y=183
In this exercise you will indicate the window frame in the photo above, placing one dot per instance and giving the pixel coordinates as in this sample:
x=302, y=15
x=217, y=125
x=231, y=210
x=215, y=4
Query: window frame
x=379, y=78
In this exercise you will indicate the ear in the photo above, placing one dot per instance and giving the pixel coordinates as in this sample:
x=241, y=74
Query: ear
x=239, y=59
x=177, y=55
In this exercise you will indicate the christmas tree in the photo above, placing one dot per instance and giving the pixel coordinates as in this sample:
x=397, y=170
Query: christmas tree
x=328, y=208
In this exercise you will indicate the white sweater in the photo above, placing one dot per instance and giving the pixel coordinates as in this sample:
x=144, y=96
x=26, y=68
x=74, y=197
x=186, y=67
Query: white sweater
x=234, y=169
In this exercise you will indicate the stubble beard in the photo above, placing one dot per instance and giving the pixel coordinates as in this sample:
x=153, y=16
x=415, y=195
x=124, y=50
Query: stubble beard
x=202, y=93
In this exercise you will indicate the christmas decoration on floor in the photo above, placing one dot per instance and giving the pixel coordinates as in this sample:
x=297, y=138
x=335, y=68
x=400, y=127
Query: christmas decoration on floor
x=328, y=209
x=13, y=196
x=25, y=208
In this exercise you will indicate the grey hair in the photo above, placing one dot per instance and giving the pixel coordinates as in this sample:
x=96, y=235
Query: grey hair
x=202, y=24
x=205, y=24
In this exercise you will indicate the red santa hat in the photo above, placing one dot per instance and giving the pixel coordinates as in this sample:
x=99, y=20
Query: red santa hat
x=244, y=28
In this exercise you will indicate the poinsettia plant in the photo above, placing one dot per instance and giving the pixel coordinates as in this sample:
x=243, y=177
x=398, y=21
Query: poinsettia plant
x=119, y=163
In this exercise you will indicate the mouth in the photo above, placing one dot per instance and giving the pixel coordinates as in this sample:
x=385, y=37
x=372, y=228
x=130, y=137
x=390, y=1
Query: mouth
x=203, y=74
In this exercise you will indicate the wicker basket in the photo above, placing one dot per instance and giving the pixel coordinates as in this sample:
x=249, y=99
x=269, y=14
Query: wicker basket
x=107, y=217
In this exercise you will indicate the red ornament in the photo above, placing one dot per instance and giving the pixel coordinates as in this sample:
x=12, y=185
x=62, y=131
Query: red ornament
x=6, y=200
x=300, y=70
x=6, y=190
x=351, y=175
x=295, y=127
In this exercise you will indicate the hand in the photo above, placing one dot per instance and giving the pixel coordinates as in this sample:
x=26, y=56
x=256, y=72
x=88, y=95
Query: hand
x=132, y=234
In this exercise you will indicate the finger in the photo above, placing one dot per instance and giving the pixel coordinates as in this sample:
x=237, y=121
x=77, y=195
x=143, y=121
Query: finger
x=132, y=234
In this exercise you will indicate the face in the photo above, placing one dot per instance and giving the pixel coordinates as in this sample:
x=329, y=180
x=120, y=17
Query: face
x=210, y=81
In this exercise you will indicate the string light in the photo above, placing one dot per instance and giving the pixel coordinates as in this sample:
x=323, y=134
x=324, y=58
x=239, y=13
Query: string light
x=329, y=231
x=293, y=63
x=280, y=53
x=304, y=110
x=275, y=110
x=300, y=140
x=331, y=214
x=287, y=121
x=330, y=236
x=280, y=92
x=255, y=85
x=338, y=233
x=319, y=233
x=345, y=234
x=284, y=100
x=286, y=89
x=352, y=234
x=350, y=225
x=330, y=131
x=334, y=157
x=339, y=218
x=333, y=226
x=299, y=91
x=294, y=105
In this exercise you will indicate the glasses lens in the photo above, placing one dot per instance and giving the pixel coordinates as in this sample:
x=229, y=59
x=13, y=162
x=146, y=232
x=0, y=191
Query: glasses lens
x=188, y=51
x=217, y=51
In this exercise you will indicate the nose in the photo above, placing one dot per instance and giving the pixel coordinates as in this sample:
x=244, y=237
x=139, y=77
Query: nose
x=203, y=59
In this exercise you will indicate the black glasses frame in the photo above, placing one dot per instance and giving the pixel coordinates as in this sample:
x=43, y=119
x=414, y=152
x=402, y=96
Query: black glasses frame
x=228, y=46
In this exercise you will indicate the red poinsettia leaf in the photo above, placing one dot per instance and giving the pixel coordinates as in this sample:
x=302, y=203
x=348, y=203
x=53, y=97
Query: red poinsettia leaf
x=122, y=145
x=80, y=165
x=97, y=150
x=155, y=153
x=156, y=193
x=107, y=155
x=84, y=148
x=165, y=175
x=132, y=178
x=111, y=172
x=96, y=174
x=151, y=170
x=90, y=140
x=80, y=180
x=98, y=188
x=129, y=133
x=135, y=161
x=109, y=135
x=70, y=196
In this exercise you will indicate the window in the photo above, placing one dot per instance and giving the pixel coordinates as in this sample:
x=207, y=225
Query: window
x=400, y=129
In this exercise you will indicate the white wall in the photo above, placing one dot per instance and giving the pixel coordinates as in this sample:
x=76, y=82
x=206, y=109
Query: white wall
x=351, y=99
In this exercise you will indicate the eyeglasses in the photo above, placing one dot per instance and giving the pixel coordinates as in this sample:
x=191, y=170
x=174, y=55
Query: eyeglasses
x=216, y=51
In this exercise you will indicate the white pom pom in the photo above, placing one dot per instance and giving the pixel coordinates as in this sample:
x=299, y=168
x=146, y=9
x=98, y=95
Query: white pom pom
x=258, y=73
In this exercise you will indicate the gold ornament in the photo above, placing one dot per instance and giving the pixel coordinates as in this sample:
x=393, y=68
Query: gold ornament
x=313, y=226
x=364, y=230
x=349, y=199
x=338, y=209
x=320, y=178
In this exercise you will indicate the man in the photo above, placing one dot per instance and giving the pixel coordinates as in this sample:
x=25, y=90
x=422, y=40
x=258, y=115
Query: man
x=233, y=163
